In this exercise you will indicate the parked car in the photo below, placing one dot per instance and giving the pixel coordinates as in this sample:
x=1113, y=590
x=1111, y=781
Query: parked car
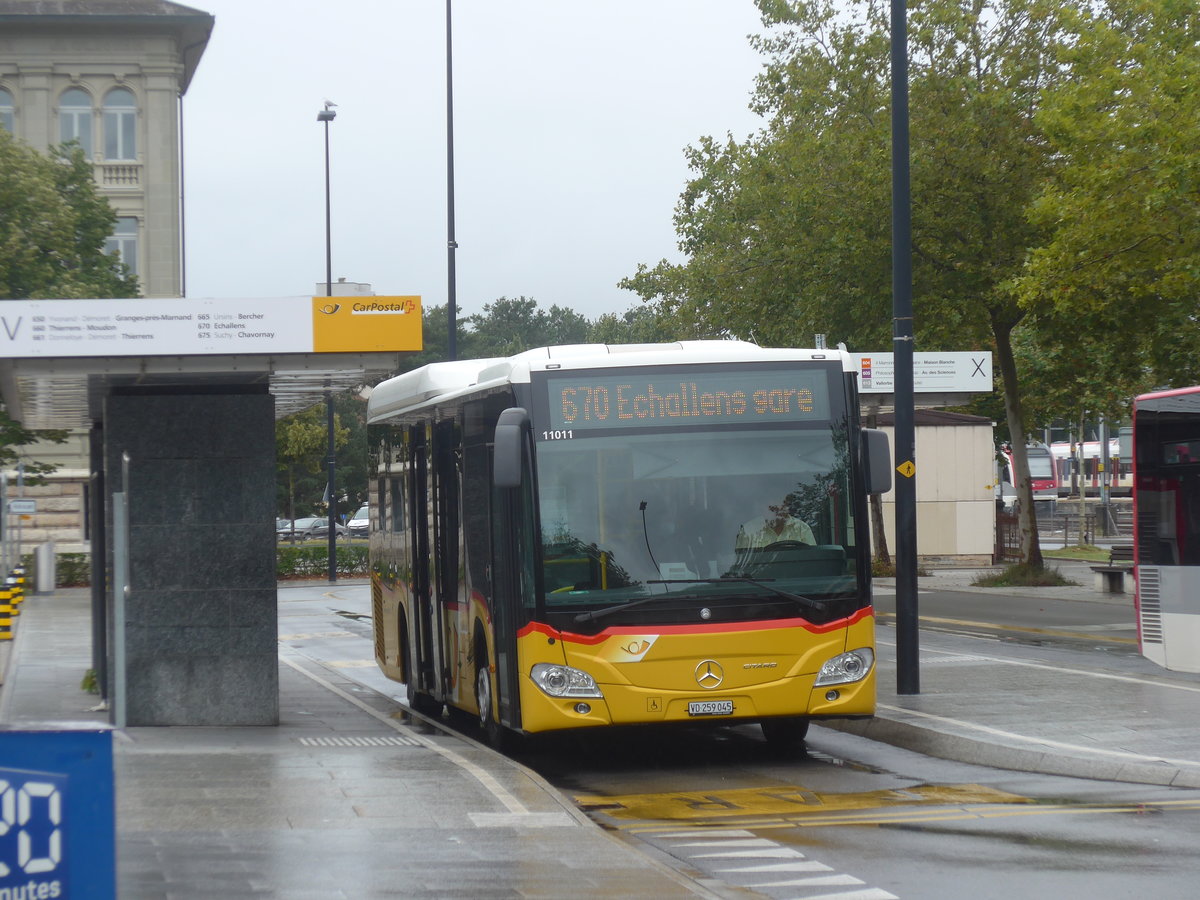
x=360, y=524
x=311, y=528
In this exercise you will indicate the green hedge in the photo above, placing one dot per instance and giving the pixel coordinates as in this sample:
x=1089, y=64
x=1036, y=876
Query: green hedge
x=306, y=562
x=75, y=569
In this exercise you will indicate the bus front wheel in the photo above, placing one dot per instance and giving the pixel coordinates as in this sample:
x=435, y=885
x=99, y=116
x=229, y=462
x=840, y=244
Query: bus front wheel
x=494, y=733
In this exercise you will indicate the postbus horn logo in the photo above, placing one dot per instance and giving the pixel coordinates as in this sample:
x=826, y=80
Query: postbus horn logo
x=330, y=308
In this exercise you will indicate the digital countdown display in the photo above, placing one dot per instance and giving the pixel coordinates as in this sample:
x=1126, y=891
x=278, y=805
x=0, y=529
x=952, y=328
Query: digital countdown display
x=591, y=401
x=57, y=826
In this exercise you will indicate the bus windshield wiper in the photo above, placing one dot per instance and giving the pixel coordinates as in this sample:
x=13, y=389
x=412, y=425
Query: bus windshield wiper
x=608, y=610
x=798, y=599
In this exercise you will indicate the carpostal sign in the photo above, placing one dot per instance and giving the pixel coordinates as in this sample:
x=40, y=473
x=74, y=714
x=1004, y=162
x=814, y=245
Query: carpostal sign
x=188, y=327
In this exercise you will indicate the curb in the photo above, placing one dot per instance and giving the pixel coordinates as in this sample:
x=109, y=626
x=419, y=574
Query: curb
x=959, y=748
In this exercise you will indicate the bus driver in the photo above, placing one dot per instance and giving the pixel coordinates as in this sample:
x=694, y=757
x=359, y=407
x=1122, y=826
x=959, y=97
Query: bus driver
x=777, y=525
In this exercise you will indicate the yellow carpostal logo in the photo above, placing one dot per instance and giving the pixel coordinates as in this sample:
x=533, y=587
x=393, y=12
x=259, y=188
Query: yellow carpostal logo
x=366, y=324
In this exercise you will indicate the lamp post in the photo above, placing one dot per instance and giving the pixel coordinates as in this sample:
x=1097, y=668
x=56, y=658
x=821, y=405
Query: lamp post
x=451, y=243
x=326, y=116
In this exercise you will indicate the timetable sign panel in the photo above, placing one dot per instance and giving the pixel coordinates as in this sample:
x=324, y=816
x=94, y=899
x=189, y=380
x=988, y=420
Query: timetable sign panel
x=209, y=327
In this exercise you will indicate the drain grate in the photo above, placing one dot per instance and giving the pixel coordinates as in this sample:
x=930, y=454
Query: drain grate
x=388, y=741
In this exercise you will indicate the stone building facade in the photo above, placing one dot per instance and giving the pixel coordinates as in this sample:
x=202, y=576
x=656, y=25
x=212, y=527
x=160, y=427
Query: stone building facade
x=110, y=74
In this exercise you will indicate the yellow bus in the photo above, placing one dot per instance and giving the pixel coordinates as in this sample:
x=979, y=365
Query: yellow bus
x=592, y=535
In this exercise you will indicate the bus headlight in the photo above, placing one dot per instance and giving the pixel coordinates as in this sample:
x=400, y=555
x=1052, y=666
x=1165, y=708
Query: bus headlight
x=563, y=681
x=847, y=667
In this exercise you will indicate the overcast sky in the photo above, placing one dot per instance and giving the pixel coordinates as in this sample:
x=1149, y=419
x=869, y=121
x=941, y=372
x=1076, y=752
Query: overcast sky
x=571, y=118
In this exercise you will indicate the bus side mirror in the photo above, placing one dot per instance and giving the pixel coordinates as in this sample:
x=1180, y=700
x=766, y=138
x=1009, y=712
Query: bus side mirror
x=508, y=446
x=877, y=458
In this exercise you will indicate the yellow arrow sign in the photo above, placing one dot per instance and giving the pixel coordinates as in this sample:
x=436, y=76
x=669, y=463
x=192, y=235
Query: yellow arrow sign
x=906, y=468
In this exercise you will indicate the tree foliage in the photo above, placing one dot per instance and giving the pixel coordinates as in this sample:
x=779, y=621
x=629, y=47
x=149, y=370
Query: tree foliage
x=301, y=455
x=53, y=226
x=1120, y=268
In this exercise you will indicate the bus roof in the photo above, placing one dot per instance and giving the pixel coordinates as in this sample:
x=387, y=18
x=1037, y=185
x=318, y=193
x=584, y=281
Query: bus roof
x=445, y=380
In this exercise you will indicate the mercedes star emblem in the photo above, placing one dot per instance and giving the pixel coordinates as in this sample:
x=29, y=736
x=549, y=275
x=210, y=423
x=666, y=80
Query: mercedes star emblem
x=709, y=674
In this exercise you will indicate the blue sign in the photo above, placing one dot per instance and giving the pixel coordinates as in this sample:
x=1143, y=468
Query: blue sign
x=56, y=815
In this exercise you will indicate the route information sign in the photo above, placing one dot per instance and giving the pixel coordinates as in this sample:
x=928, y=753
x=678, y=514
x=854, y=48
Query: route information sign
x=932, y=372
x=187, y=327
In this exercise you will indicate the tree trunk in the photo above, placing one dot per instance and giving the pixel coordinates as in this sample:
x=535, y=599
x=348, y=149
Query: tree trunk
x=1031, y=549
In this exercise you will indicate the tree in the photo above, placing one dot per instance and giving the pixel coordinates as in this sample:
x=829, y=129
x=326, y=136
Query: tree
x=1122, y=265
x=53, y=226
x=301, y=454
x=14, y=437
x=643, y=324
x=788, y=233
x=509, y=326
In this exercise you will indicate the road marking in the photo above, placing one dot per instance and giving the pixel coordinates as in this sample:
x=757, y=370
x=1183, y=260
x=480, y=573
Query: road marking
x=812, y=874
x=775, y=802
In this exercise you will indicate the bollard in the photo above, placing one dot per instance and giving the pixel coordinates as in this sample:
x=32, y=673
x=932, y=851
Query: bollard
x=8, y=600
x=6, y=622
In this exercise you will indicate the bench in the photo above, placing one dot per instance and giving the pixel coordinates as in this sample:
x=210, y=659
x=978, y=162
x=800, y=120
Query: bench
x=1110, y=579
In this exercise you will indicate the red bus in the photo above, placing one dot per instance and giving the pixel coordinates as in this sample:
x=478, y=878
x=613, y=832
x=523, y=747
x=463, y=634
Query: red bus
x=1166, y=538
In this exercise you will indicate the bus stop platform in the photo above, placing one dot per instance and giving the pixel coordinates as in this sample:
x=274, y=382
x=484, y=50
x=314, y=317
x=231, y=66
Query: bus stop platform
x=351, y=797
x=346, y=798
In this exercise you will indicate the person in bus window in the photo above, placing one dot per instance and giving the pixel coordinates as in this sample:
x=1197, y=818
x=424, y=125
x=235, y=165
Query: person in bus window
x=775, y=525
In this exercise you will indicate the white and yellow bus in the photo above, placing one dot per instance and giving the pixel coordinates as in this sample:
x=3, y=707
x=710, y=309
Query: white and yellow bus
x=588, y=536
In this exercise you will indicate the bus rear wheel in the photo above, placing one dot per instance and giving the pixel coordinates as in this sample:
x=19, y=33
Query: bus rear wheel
x=785, y=734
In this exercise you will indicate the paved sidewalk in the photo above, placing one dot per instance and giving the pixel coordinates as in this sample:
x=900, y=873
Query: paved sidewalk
x=1039, y=708
x=346, y=798
x=342, y=800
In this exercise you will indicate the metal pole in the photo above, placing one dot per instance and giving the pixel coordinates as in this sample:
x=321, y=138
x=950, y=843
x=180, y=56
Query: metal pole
x=332, y=490
x=328, y=229
x=327, y=115
x=908, y=676
x=451, y=243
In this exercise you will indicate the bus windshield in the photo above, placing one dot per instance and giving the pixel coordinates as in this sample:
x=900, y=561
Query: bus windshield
x=720, y=516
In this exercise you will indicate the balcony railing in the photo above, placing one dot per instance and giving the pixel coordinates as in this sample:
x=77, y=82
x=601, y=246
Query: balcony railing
x=119, y=175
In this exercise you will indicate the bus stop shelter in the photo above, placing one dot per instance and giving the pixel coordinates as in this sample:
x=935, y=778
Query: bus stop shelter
x=180, y=397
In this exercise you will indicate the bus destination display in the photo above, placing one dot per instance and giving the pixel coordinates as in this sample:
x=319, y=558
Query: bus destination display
x=592, y=402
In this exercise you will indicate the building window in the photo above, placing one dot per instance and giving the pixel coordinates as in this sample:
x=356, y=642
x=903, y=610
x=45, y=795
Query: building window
x=75, y=119
x=7, y=110
x=124, y=241
x=120, y=124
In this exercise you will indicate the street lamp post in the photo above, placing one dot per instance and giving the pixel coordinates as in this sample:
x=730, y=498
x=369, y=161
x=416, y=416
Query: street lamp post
x=326, y=116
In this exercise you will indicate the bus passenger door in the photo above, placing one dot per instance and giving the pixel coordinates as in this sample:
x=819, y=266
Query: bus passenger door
x=420, y=502
x=513, y=587
x=447, y=542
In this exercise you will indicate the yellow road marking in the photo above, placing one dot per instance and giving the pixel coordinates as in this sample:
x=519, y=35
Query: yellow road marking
x=782, y=799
